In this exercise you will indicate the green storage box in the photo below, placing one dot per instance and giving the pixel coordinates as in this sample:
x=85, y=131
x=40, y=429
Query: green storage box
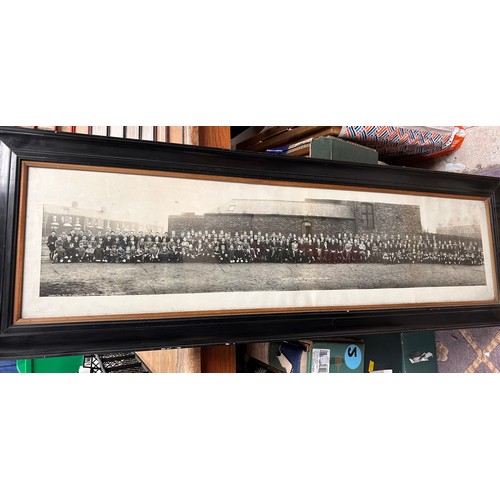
x=405, y=352
x=333, y=148
x=335, y=357
x=60, y=364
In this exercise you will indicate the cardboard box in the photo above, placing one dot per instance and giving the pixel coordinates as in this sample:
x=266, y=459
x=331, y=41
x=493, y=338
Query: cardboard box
x=406, y=352
x=336, y=357
x=326, y=356
x=282, y=357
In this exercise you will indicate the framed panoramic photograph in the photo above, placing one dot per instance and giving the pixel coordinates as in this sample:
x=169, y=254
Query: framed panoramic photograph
x=120, y=244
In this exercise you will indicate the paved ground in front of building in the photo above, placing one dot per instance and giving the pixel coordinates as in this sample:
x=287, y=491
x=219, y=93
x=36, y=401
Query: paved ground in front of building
x=152, y=279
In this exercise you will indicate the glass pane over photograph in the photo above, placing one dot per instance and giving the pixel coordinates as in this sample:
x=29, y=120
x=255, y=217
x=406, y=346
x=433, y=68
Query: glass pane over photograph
x=117, y=242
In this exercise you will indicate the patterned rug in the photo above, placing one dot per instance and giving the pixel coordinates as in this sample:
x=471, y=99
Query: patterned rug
x=473, y=350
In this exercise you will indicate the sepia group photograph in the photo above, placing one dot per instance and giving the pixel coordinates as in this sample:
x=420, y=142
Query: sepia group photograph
x=182, y=242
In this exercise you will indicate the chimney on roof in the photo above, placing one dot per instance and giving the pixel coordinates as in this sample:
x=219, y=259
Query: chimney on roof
x=74, y=204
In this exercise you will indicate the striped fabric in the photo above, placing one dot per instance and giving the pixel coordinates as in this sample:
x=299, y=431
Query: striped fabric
x=406, y=141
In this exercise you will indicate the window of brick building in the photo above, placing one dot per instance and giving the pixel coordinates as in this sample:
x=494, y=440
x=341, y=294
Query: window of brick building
x=367, y=216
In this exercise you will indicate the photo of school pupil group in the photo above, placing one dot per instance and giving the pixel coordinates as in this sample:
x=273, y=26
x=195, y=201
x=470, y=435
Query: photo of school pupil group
x=207, y=246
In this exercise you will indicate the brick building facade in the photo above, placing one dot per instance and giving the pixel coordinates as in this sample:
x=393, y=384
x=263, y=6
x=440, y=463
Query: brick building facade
x=387, y=218
x=470, y=231
x=307, y=217
x=60, y=218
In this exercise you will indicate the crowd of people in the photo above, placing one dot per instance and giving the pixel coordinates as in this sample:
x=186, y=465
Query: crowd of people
x=256, y=246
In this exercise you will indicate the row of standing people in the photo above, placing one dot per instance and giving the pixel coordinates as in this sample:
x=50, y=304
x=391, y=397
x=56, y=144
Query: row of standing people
x=246, y=247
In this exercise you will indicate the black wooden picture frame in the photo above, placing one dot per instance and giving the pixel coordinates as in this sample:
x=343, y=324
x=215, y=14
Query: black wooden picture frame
x=29, y=337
